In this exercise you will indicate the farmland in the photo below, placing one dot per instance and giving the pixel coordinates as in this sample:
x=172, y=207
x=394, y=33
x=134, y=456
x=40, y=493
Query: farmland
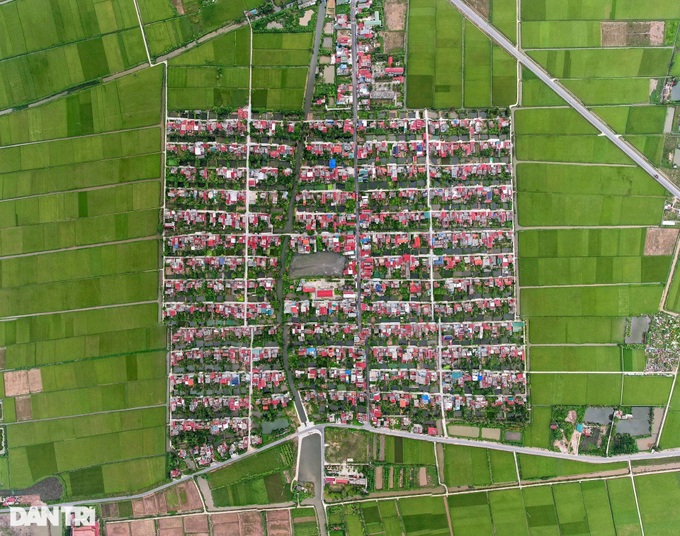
x=76, y=44
x=436, y=77
x=261, y=479
x=81, y=313
x=166, y=28
x=601, y=506
x=470, y=466
x=217, y=73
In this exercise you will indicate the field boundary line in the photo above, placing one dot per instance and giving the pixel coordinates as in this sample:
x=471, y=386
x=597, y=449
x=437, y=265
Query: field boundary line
x=92, y=413
x=141, y=28
x=637, y=503
x=76, y=248
x=82, y=136
x=96, y=307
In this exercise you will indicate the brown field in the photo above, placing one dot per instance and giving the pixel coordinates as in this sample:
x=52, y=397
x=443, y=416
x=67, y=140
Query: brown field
x=393, y=41
x=16, y=383
x=225, y=524
x=482, y=6
x=118, y=529
x=621, y=34
x=23, y=408
x=251, y=524
x=379, y=478
x=143, y=527
x=170, y=523
x=195, y=524
x=278, y=523
x=660, y=241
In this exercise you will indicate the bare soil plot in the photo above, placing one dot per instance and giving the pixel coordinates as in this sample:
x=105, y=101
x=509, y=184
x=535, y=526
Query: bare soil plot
x=393, y=41
x=170, y=523
x=189, y=497
x=251, y=524
x=196, y=523
x=143, y=527
x=422, y=477
x=16, y=383
x=110, y=510
x=225, y=524
x=482, y=6
x=379, y=478
x=306, y=17
x=491, y=433
x=177, y=4
x=621, y=34
x=465, y=431
x=118, y=529
x=395, y=15
x=23, y=408
x=175, y=531
x=35, y=381
x=150, y=507
x=138, y=508
x=660, y=241
x=278, y=523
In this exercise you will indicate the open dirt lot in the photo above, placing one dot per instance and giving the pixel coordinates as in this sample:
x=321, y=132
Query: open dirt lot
x=23, y=408
x=118, y=529
x=325, y=263
x=251, y=524
x=170, y=523
x=491, y=433
x=621, y=34
x=16, y=383
x=660, y=241
x=379, y=478
x=196, y=523
x=278, y=523
x=143, y=527
x=395, y=15
x=482, y=6
x=174, y=531
x=225, y=524
x=465, y=431
x=393, y=41
x=422, y=477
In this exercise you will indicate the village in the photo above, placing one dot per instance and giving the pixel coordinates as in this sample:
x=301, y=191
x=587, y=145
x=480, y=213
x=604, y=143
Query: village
x=301, y=286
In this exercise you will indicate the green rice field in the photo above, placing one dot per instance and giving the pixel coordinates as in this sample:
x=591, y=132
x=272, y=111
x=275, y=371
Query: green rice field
x=78, y=309
x=166, y=29
x=470, y=466
x=576, y=358
x=436, y=77
x=217, y=73
x=260, y=479
x=598, y=10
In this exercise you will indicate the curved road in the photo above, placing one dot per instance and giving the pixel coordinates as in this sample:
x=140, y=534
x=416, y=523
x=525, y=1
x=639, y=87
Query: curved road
x=563, y=92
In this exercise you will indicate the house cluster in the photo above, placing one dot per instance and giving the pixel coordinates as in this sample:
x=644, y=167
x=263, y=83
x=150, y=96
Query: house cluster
x=418, y=318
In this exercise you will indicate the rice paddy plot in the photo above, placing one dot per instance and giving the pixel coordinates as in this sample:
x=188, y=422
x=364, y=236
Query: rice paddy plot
x=561, y=34
x=576, y=358
x=604, y=63
x=576, y=389
x=598, y=10
x=593, y=180
x=576, y=330
x=593, y=270
x=504, y=17
x=424, y=516
x=132, y=101
x=623, y=300
x=260, y=479
x=657, y=495
x=646, y=390
x=167, y=29
x=477, y=68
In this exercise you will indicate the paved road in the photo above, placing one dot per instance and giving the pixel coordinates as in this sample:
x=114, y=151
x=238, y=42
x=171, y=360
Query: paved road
x=558, y=88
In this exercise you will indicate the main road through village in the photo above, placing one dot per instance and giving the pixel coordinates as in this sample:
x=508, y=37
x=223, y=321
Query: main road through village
x=310, y=428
